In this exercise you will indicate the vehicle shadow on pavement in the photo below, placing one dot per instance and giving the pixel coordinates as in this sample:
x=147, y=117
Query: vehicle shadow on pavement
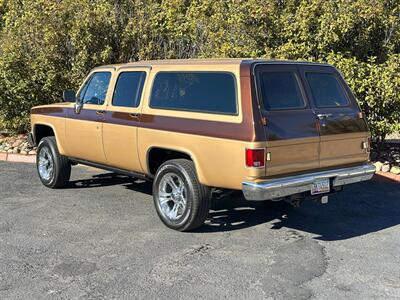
x=359, y=210
x=110, y=179
x=106, y=179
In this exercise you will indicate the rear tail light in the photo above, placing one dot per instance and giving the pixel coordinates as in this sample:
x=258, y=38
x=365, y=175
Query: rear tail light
x=255, y=158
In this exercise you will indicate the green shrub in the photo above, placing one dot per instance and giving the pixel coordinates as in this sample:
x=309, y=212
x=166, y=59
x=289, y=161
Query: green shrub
x=377, y=88
x=47, y=46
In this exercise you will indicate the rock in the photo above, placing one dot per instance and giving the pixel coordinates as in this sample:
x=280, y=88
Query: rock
x=32, y=152
x=395, y=170
x=385, y=168
x=9, y=150
x=378, y=165
x=15, y=150
x=23, y=152
x=17, y=143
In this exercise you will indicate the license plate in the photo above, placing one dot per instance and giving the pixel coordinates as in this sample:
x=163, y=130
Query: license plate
x=320, y=186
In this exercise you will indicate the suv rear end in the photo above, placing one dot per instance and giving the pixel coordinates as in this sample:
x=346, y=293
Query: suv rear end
x=316, y=136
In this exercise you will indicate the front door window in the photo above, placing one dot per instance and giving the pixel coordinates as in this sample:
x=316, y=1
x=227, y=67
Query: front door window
x=96, y=90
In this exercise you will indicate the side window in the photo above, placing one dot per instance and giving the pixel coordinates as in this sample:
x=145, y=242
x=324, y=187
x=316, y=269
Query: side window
x=326, y=90
x=280, y=90
x=96, y=89
x=210, y=92
x=128, y=89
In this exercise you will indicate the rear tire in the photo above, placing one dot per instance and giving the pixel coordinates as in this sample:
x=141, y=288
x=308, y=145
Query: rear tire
x=53, y=168
x=181, y=201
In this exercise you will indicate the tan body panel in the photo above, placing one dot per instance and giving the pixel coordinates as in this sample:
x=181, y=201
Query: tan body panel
x=210, y=155
x=344, y=148
x=292, y=155
x=84, y=140
x=219, y=162
x=58, y=126
x=126, y=155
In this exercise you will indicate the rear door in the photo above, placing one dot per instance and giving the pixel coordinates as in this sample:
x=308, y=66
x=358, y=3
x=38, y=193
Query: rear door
x=343, y=130
x=292, y=135
x=123, y=117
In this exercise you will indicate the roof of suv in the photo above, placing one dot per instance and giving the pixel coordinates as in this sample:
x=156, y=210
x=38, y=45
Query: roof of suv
x=214, y=61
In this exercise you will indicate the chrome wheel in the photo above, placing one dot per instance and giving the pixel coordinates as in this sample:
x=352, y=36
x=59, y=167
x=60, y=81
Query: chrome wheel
x=172, y=196
x=45, y=164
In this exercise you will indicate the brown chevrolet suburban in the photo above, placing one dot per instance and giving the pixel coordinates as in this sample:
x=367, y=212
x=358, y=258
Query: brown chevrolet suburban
x=273, y=129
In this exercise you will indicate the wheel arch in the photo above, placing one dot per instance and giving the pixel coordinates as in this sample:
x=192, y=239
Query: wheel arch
x=41, y=130
x=170, y=153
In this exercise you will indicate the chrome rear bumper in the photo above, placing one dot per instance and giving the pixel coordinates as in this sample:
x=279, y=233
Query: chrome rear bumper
x=286, y=186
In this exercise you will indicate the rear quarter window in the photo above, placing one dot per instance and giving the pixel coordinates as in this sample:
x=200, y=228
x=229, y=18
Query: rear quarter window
x=326, y=89
x=209, y=92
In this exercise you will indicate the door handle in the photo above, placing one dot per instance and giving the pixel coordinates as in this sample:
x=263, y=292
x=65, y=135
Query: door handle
x=100, y=112
x=324, y=116
x=134, y=115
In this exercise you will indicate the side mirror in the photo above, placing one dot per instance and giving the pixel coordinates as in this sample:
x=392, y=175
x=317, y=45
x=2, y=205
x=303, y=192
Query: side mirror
x=69, y=96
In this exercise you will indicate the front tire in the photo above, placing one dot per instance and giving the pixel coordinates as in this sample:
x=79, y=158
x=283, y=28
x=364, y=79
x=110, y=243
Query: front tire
x=181, y=201
x=53, y=168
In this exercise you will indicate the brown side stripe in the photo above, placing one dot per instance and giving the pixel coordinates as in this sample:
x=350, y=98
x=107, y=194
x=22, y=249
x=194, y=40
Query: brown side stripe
x=181, y=125
x=49, y=111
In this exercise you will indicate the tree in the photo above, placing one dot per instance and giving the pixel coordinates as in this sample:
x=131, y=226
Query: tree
x=47, y=46
x=377, y=87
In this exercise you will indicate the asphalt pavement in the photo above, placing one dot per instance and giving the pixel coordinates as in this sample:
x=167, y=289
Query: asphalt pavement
x=100, y=238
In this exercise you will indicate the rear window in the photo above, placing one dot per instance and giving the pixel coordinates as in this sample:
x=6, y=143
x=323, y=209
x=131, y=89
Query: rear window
x=280, y=90
x=210, y=92
x=326, y=90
